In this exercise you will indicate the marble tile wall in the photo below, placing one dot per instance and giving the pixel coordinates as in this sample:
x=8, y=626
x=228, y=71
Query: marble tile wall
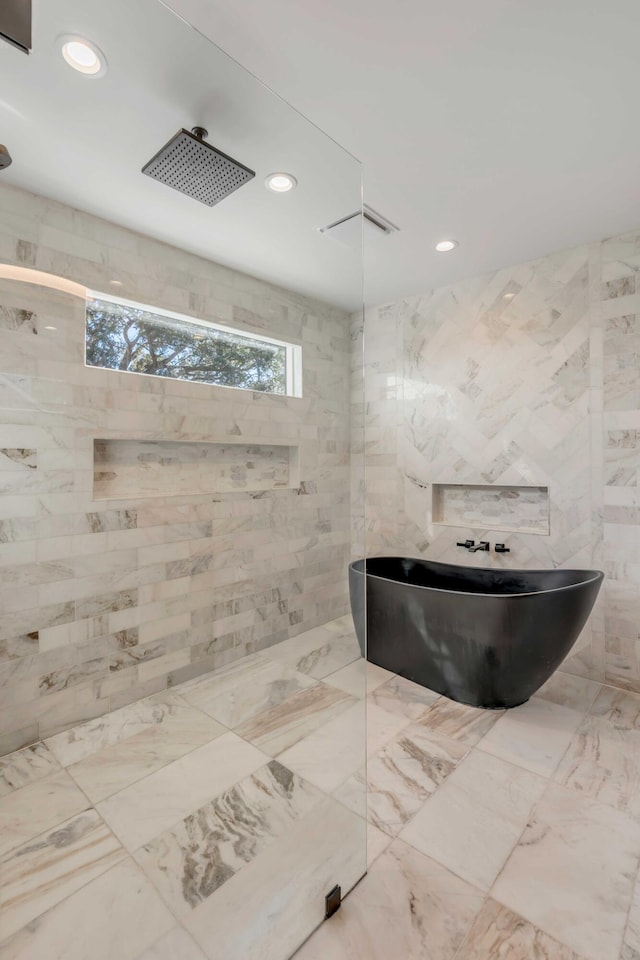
x=619, y=333
x=526, y=376
x=107, y=601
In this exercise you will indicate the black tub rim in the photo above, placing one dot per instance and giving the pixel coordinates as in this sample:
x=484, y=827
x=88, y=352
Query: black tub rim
x=597, y=576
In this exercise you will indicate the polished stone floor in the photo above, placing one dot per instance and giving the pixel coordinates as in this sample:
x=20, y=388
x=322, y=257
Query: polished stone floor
x=199, y=824
x=207, y=823
x=497, y=835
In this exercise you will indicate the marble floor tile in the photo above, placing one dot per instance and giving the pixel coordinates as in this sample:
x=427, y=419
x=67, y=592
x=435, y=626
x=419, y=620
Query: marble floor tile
x=359, y=678
x=236, y=693
x=226, y=677
x=352, y=678
x=403, y=697
x=402, y=775
x=331, y=754
x=631, y=942
x=377, y=843
x=340, y=626
x=26, y=766
x=407, y=908
x=281, y=726
x=572, y=872
x=382, y=726
x=193, y=859
x=41, y=805
x=118, y=766
x=175, y=945
x=88, y=738
x=114, y=917
x=499, y=934
x=353, y=793
x=534, y=736
x=603, y=759
x=318, y=652
x=52, y=866
x=473, y=820
x=149, y=807
x=458, y=721
x=376, y=676
x=577, y=693
x=267, y=909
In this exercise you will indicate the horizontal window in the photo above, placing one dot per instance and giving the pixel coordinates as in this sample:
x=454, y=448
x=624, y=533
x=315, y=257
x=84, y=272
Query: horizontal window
x=121, y=335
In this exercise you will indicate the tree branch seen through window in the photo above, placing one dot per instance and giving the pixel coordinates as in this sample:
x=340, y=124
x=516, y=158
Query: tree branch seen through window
x=124, y=337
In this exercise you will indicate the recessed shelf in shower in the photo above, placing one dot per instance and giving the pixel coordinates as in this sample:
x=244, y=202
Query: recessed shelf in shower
x=520, y=509
x=134, y=468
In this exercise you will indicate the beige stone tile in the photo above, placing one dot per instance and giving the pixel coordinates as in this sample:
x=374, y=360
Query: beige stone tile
x=145, y=809
x=572, y=872
x=352, y=678
x=353, y=793
x=110, y=770
x=318, y=652
x=382, y=726
x=283, y=725
x=104, y=731
x=407, y=907
x=377, y=842
x=267, y=909
x=499, y=933
x=534, y=736
x=245, y=688
x=175, y=945
x=115, y=917
x=49, y=868
x=603, y=759
x=403, y=697
x=577, y=693
x=405, y=772
x=376, y=676
x=631, y=944
x=191, y=861
x=37, y=807
x=331, y=754
x=26, y=766
x=472, y=822
x=458, y=721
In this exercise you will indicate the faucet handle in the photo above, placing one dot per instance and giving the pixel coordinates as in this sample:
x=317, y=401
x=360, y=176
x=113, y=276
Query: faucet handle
x=465, y=543
x=500, y=548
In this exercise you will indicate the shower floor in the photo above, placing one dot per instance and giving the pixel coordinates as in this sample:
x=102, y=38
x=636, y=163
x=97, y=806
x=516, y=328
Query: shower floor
x=511, y=835
x=199, y=823
x=208, y=822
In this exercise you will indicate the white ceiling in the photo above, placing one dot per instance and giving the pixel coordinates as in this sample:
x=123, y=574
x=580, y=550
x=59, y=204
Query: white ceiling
x=84, y=142
x=509, y=125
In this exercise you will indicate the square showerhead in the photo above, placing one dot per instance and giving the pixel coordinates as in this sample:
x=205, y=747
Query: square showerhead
x=191, y=165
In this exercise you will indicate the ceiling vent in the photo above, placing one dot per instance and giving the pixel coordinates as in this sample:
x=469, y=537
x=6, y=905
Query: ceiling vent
x=365, y=225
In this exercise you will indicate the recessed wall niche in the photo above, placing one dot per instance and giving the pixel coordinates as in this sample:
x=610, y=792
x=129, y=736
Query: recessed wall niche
x=124, y=469
x=521, y=509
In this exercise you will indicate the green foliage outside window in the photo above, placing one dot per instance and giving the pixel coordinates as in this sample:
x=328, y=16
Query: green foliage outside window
x=122, y=337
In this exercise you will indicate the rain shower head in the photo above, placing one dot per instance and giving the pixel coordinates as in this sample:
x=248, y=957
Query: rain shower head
x=191, y=165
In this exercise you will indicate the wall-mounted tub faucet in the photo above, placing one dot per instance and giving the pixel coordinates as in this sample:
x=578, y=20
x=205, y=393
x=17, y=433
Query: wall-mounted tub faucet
x=483, y=545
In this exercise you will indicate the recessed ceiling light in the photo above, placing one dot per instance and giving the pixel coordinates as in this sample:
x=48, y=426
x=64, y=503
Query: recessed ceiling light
x=51, y=328
x=115, y=283
x=445, y=245
x=508, y=296
x=83, y=56
x=280, y=182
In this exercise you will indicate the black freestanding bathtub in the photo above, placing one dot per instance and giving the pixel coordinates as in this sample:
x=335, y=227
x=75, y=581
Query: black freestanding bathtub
x=489, y=638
